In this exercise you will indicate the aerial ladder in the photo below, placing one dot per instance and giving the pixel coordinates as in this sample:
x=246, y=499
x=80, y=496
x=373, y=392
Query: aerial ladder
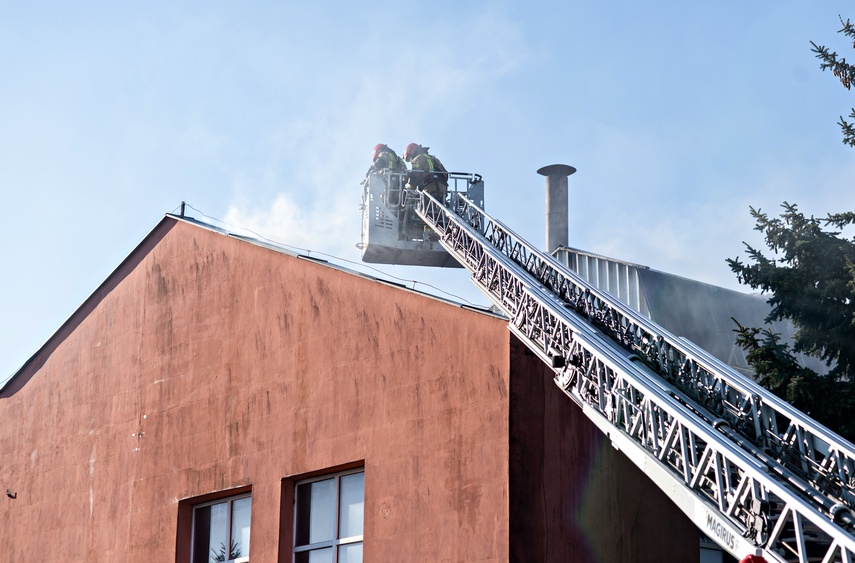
x=754, y=474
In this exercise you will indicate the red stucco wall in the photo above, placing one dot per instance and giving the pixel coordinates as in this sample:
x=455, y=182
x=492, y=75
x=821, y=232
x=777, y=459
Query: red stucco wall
x=208, y=364
x=215, y=364
x=573, y=497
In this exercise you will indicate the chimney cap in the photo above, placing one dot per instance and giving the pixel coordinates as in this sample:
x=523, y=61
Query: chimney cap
x=556, y=169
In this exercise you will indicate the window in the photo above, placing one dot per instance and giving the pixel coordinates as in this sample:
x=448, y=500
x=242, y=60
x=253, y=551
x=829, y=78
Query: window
x=221, y=530
x=328, y=519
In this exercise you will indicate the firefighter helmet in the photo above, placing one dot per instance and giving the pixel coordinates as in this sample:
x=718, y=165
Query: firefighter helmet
x=411, y=151
x=377, y=148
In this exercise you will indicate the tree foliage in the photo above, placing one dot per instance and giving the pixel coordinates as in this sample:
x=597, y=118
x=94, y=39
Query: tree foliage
x=843, y=71
x=810, y=277
x=226, y=554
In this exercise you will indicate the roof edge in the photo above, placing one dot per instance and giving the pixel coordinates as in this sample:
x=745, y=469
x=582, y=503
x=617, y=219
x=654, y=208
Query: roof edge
x=18, y=379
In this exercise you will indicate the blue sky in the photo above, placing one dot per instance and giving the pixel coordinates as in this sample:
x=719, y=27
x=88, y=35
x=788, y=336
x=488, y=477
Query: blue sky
x=678, y=116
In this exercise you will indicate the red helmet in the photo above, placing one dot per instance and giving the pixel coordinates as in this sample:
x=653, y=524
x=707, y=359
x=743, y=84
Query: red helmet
x=411, y=151
x=376, y=150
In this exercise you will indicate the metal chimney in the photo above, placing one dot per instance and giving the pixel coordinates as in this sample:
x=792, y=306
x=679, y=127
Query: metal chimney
x=556, y=204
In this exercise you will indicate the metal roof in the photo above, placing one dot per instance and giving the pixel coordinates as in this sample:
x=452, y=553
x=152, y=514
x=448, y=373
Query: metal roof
x=697, y=311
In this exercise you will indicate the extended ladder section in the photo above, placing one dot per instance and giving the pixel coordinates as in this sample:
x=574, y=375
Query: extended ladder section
x=755, y=474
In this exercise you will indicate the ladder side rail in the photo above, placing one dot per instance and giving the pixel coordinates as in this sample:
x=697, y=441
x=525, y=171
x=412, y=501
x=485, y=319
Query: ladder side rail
x=721, y=474
x=817, y=444
x=725, y=477
x=724, y=474
x=830, y=457
x=808, y=487
x=737, y=399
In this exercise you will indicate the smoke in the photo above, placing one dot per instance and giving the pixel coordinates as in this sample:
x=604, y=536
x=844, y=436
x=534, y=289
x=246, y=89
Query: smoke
x=316, y=160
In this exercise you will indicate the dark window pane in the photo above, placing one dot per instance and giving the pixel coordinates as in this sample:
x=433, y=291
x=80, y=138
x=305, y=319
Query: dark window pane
x=302, y=509
x=351, y=505
x=201, y=534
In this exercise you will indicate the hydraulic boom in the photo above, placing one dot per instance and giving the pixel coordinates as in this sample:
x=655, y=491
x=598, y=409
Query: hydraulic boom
x=755, y=474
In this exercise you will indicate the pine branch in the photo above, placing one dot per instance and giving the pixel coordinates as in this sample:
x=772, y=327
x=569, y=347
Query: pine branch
x=841, y=70
x=848, y=29
x=848, y=130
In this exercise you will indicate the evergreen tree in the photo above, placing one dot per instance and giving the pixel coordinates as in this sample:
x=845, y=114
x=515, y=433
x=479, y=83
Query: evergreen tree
x=810, y=277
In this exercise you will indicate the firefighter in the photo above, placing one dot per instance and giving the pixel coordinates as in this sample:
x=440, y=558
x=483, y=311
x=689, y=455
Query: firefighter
x=427, y=173
x=384, y=158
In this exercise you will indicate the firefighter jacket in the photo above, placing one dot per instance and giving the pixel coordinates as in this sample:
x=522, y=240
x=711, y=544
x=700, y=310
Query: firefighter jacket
x=427, y=169
x=388, y=160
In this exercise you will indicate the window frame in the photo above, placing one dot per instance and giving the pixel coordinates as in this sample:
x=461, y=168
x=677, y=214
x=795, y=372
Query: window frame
x=336, y=542
x=230, y=500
